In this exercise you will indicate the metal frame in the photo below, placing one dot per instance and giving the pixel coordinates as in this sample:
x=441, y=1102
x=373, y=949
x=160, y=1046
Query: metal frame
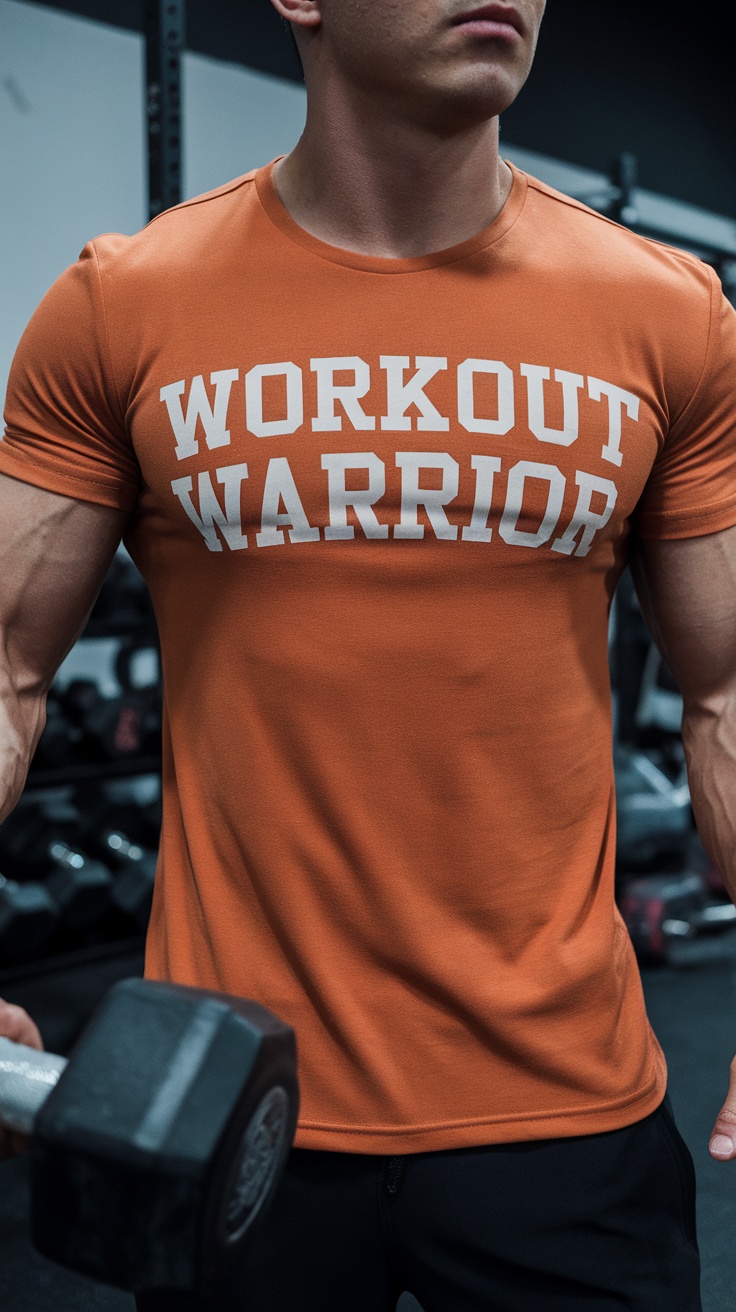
x=165, y=36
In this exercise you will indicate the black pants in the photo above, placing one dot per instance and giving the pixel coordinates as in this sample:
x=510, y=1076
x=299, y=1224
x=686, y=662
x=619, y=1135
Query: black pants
x=601, y=1223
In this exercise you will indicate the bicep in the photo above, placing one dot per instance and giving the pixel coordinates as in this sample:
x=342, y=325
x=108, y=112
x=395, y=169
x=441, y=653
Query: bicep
x=687, y=589
x=54, y=554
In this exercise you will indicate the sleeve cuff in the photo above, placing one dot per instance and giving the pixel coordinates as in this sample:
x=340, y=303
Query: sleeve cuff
x=114, y=493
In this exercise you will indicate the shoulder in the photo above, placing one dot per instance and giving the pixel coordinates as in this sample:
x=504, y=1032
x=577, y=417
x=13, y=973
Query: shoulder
x=605, y=251
x=180, y=239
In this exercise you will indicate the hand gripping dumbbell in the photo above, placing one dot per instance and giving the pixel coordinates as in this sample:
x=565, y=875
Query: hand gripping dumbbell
x=156, y=1147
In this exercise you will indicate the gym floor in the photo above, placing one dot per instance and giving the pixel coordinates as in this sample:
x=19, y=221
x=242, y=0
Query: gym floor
x=691, y=1010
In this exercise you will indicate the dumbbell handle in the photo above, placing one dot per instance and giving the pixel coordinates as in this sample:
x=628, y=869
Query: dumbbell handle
x=26, y=1080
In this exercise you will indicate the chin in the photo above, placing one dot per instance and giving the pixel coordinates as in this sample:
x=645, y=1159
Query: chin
x=476, y=98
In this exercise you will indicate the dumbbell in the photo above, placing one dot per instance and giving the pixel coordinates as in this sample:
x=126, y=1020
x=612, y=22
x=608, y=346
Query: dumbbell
x=29, y=918
x=112, y=728
x=61, y=740
x=81, y=724
x=40, y=841
x=141, y=821
x=134, y=867
x=81, y=888
x=161, y=1142
x=25, y=835
x=661, y=911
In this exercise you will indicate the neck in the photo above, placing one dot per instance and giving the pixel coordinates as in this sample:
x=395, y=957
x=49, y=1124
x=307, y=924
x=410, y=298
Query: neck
x=370, y=180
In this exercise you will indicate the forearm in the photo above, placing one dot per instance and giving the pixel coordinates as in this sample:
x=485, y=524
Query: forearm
x=709, y=738
x=687, y=590
x=54, y=554
x=688, y=593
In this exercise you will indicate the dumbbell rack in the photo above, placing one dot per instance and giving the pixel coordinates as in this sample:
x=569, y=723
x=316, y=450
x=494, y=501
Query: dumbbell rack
x=40, y=777
x=137, y=626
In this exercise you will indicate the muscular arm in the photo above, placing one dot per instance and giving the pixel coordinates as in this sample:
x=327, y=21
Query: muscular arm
x=687, y=590
x=54, y=554
x=688, y=594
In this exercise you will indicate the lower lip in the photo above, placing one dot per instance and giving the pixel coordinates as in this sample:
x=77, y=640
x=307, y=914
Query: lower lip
x=483, y=27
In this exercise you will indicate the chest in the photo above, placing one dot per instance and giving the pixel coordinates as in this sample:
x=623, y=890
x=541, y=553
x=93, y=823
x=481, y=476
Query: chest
x=464, y=427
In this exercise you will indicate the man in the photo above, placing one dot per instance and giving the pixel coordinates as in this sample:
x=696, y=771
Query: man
x=382, y=424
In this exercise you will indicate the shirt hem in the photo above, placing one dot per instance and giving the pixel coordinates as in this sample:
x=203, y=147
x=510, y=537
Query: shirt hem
x=565, y=1124
x=79, y=486
x=690, y=524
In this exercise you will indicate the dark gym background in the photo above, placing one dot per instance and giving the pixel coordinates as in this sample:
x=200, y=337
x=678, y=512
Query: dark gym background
x=652, y=83
x=655, y=78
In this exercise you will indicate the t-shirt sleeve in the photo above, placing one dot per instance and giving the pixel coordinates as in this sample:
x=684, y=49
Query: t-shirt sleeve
x=65, y=423
x=691, y=490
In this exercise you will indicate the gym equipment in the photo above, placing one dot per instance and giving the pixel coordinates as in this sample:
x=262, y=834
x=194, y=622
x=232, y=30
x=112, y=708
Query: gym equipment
x=60, y=741
x=653, y=813
x=98, y=811
x=39, y=841
x=29, y=918
x=661, y=911
x=624, y=176
x=81, y=888
x=135, y=868
x=161, y=1142
x=111, y=728
x=164, y=43
x=660, y=701
x=24, y=834
x=82, y=725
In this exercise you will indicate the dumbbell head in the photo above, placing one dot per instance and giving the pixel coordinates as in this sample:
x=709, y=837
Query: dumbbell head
x=59, y=743
x=132, y=899
x=165, y=1137
x=112, y=727
x=28, y=920
x=81, y=698
x=98, y=812
x=81, y=888
x=651, y=904
x=135, y=871
x=26, y=837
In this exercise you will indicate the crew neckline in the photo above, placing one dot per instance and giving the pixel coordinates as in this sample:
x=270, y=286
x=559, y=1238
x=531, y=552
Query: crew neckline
x=279, y=215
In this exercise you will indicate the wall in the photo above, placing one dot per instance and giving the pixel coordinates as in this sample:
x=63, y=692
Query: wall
x=655, y=77
x=72, y=142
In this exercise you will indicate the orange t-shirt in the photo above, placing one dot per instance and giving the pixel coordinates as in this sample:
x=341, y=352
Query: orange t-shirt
x=382, y=506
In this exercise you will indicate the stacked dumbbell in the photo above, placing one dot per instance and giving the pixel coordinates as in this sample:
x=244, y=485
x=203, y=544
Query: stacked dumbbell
x=682, y=916
x=86, y=726
x=73, y=877
x=74, y=869
x=82, y=725
x=124, y=838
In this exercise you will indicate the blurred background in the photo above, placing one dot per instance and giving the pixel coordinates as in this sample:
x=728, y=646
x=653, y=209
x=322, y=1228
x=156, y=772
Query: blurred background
x=111, y=110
